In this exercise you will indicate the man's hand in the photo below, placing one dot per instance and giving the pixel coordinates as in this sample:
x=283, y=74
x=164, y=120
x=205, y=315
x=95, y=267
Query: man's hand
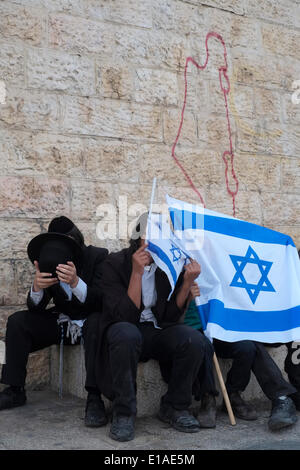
x=192, y=271
x=42, y=280
x=67, y=273
x=140, y=259
x=194, y=290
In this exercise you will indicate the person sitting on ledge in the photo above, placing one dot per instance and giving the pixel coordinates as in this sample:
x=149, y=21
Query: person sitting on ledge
x=138, y=324
x=68, y=272
x=248, y=356
x=207, y=412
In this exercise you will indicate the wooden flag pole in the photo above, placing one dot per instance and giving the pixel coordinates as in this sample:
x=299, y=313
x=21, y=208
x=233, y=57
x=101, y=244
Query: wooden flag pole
x=152, y=198
x=220, y=377
x=224, y=391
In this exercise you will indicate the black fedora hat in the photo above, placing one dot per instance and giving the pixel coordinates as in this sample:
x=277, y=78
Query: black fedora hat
x=53, y=248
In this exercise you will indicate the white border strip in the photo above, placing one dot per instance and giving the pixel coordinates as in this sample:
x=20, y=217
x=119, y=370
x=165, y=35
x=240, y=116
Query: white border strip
x=216, y=331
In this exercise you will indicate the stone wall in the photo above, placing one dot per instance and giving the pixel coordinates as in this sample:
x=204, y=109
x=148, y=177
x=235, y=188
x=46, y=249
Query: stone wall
x=94, y=94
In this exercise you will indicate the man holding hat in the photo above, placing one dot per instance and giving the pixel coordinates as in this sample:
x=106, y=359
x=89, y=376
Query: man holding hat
x=69, y=273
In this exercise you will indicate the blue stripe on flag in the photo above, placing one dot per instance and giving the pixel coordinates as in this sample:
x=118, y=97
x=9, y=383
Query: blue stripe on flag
x=248, y=320
x=183, y=220
x=162, y=255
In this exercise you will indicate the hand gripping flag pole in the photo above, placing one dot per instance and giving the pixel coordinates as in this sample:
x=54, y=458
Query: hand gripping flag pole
x=219, y=375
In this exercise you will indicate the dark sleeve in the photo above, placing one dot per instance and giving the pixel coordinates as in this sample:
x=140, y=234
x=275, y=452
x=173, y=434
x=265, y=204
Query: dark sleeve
x=93, y=301
x=170, y=312
x=117, y=305
x=36, y=308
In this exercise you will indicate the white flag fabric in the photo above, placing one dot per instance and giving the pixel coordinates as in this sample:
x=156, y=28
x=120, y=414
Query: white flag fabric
x=163, y=246
x=250, y=275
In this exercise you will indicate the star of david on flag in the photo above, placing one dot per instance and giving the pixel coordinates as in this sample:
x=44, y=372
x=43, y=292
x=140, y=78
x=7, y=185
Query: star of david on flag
x=253, y=290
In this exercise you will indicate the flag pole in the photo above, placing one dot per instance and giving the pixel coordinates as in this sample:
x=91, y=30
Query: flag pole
x=221, y=381
x=152, y=197
x=151, y=204
x=224, y=391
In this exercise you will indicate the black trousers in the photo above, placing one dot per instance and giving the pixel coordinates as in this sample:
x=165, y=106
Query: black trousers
x=252, y=356
x=27, y=332
x=179, y=347
x=292, y=362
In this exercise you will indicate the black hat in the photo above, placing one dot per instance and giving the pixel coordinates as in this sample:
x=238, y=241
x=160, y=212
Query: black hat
x=53, y=248
x=61, y=225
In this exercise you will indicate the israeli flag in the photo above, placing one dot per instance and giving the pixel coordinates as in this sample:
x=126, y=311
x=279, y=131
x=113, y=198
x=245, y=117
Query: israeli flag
x=250, y=275
x=163, y=246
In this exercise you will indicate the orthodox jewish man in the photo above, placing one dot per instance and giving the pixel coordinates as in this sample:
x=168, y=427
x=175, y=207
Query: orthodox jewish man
x=140, y=323
x=68, y=273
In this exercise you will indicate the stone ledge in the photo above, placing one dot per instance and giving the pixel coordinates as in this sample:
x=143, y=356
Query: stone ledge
x=150, y=386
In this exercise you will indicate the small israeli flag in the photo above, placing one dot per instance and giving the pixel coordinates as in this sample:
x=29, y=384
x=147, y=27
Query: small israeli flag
x=163, y=246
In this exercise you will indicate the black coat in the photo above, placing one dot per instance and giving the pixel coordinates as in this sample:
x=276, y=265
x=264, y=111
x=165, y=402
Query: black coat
x=118, y=307
x=90, y=271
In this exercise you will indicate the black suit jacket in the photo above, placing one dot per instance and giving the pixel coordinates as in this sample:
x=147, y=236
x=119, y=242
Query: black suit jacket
x=118, y=307
x=90, y=272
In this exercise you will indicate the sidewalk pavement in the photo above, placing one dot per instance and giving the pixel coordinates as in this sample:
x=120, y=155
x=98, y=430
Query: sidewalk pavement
x=50, y=423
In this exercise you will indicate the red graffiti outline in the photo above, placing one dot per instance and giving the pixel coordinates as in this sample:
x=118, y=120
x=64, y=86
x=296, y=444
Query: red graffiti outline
x=225, y=90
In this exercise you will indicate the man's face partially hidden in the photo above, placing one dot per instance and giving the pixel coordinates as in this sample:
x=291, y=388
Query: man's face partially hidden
x=144, y=244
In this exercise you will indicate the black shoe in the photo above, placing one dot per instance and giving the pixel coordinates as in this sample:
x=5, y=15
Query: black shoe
x=11, y=397
x=181, y=420
x=95, y=415
x=296, y=399
x=122, y=428
x=240, y=408
x=207, y=414
x=283, y=414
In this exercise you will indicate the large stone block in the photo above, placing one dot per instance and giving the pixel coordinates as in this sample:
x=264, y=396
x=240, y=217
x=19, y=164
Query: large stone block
x=247, y=204
x=33, y=197
x=15, y=234
x=87, y=196
x=280, y=40
x=26, y=153
x=110, y=118
x=117, y=42
x=111, y=160
x=290, y=175
x=280, y=209
x=12, y=66
x=8, y=293
x=267, y=103
x=5, y=312
x=38, y=370
x=177, y=16
x=79, y=34
x=263, y=136
x=171, y=122
x=278, y=11
x=124, y=12
x=291, y=105
x=156, y=87
x=257, y=172
x=114, y=81
x=205, y=167
x=25, y=24
x=57, y=71
x=26, y=110
x=291, y=140
x=255, y=68
x=24, y=275
x=234, y=6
